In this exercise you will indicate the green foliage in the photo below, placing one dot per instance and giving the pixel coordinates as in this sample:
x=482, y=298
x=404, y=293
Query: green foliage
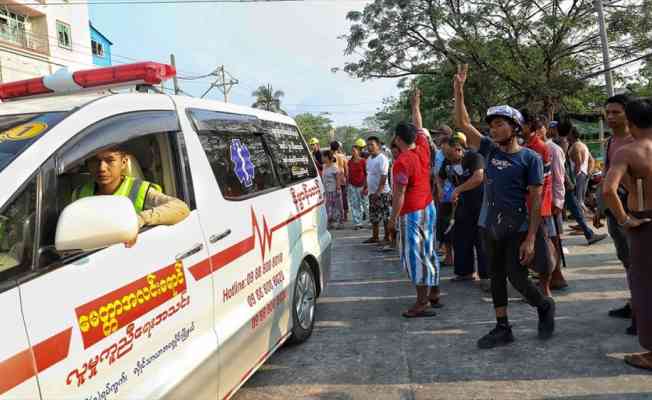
x=347, y=136
x=318, y=126
x=544, y=55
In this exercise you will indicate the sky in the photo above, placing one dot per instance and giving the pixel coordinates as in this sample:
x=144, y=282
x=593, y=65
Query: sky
x=291, y=46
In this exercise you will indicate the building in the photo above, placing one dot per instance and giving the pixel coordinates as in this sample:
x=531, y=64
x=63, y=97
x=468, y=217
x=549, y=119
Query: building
x=37, y=40
x=101, y=48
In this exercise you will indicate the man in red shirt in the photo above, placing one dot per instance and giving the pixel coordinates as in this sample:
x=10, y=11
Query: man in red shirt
x=357, y=185
x=544, y=254
x=413, y=208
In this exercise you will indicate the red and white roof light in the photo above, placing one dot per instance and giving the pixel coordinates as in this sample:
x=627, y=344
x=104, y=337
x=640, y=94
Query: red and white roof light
x=64, y=81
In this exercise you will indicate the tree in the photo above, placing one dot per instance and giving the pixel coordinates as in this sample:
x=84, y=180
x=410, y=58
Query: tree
x=347, y=135
x=318, y=126
x=531, y=53
x=268, y=99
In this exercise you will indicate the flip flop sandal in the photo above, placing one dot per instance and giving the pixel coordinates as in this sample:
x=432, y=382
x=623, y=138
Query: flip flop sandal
x=420, y=314
x=638, y=361
x=369, y=241
x=435, y=303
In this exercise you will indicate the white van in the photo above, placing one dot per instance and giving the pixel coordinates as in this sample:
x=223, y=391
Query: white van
x=193, y=309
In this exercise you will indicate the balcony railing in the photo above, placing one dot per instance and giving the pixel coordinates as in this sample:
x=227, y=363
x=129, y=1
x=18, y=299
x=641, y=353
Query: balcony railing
x=24, y=39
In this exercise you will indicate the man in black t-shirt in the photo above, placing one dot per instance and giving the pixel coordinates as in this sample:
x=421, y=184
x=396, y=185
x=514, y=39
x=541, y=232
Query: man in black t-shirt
x=465, y=169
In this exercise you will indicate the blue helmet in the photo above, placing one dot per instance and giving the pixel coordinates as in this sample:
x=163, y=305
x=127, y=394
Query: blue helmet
x=506, y=112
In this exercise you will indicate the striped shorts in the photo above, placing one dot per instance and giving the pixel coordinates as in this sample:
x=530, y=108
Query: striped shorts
x=417, y=244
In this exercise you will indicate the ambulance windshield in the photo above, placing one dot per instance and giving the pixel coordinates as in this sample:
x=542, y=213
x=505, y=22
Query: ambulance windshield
x=18, y=132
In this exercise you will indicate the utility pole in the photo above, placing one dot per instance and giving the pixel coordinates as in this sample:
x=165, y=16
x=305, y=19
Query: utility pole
x=605, y=47
x=174, y=79
x=222, y=83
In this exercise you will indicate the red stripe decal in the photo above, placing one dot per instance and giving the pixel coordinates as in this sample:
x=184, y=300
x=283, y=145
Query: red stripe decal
x=52, y=350
x=230, y=254
x=201, y=269
x=16, y=370
x=20, y=367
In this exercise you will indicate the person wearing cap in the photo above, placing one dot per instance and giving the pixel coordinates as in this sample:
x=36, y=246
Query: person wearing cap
x=514, y=175
x=465, y=169
x=316, y=153
x=357, y=183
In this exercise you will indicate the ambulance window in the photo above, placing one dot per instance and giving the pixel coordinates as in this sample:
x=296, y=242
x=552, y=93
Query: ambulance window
x=291, y=156
x=240, y=163
x=149, y=139
x=17, y=227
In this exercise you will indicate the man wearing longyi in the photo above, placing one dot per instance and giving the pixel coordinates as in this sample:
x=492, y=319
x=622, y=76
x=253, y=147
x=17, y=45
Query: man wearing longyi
x=632, y=167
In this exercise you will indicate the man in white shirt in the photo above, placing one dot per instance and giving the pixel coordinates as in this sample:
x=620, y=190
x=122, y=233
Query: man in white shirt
x=380, y=194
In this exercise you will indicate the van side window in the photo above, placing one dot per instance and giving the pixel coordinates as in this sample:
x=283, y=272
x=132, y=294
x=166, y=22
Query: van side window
x=291, y=156
x=17, y=228
x=240, y=163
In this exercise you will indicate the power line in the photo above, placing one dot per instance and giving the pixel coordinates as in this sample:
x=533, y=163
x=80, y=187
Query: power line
x=221, y=82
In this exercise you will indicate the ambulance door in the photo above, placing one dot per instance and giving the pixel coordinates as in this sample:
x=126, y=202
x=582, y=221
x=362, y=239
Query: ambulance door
x=238, y=210
x=139, y=324
x=17, y=359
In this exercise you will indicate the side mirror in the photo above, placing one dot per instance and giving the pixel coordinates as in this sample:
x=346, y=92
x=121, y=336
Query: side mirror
x=96, y=222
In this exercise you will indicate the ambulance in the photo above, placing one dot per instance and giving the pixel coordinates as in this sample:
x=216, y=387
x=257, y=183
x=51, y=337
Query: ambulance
x=192, y=310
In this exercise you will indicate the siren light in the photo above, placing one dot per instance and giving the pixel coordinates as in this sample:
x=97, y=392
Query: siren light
x=64, y=81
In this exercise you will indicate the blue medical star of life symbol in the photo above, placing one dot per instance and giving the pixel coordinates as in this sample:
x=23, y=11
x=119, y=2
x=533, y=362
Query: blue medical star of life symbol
x=244, y=168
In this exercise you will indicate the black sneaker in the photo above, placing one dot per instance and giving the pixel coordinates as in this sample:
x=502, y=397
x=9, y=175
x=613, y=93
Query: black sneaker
x=623, y=312
x=547, y=319
x=499, y=336
x=596, y=238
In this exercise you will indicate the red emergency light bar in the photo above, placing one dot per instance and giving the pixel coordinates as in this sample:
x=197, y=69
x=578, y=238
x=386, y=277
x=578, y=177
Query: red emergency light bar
x=63, y=81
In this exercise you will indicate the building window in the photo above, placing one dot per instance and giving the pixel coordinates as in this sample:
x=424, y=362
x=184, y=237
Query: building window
x=63, y=34
x=98, y=49
x=12, y=27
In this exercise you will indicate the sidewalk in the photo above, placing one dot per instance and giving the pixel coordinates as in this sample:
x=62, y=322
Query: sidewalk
x=363, y=349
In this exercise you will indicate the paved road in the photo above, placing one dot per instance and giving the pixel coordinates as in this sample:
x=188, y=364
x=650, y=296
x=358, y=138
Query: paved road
x=363, y=349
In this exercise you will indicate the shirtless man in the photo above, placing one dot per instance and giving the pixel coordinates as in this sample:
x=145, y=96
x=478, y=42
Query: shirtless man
x=580, y=156
x=632, y=167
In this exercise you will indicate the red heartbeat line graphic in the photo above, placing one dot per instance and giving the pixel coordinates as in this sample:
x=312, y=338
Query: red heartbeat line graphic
x=265, y=238
x=221, y=259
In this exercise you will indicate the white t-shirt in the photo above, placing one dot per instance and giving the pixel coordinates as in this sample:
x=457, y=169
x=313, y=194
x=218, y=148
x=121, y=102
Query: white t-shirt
x=376, y=168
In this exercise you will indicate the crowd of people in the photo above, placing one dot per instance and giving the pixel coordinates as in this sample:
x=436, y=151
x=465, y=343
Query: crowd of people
x=492, y=205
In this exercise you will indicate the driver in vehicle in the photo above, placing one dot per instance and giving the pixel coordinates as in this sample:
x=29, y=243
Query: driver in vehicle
x=152, y=206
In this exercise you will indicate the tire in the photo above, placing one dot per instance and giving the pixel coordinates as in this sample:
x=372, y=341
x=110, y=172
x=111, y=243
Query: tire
x=303, y=305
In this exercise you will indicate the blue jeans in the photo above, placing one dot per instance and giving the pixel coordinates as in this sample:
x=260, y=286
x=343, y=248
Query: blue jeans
x=575, y=210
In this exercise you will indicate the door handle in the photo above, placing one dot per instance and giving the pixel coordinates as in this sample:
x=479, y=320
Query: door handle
x=216, y=238
x=198, y=247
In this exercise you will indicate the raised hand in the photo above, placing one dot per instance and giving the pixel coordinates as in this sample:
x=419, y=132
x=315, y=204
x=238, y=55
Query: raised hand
x=416, y=97
x=460, y=76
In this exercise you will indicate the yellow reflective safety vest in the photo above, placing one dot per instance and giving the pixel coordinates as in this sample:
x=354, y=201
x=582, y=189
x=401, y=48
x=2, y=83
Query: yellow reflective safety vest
x=133, y=188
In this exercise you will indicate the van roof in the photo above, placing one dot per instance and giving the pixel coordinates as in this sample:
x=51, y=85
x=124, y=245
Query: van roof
x=70, y=102
x=47, y=104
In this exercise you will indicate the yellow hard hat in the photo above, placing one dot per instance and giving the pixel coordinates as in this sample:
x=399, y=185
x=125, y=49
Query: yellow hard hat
x=314, y=141
x=360, y=142
x=459, y=137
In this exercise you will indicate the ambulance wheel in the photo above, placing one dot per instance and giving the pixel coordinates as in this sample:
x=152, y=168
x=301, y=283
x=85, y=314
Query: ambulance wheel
x=303, y=304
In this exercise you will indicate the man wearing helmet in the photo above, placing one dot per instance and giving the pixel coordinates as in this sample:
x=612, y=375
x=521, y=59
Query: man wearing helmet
x=514, y=176
x=316, y=153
